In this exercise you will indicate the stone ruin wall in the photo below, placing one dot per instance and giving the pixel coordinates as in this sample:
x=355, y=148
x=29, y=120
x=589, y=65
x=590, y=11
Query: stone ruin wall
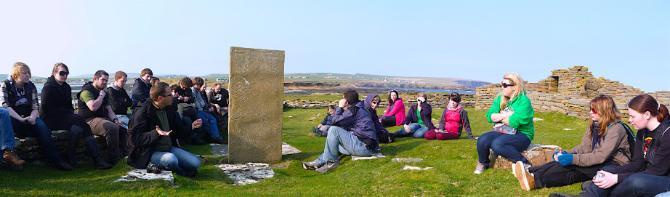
x=569, y=91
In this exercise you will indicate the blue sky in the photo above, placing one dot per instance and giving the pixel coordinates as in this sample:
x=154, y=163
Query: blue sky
x=628, y=41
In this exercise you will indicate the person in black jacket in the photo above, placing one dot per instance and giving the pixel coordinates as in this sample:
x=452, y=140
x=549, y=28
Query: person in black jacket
x=119, y=99
x=152, y=130
x=19, y=97
x=58, y=113
x=648, y=173
x=140, y=91
x=418, y=120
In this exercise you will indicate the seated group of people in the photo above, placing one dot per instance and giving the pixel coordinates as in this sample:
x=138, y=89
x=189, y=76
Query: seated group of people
x=611, y=160
x=139, y=126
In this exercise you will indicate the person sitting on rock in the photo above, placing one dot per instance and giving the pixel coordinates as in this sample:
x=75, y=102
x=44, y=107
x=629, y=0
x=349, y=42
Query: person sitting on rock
x=152, y=132
x=418, y=120
x=454, y=120
x=58, y=113
x=394, y=115
x=19, y=97
x=7, y=143
x=205, y=111
x=94, y=107
x=371, y=103
x=513, y=129
x=648, y=172
x=322, y=129
x=140, y=91
x=605, y=142
x=119, y=99
x=352, y=133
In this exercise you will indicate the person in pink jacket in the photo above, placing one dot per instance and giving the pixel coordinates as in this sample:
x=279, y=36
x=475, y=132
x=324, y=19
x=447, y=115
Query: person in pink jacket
x=394, y=115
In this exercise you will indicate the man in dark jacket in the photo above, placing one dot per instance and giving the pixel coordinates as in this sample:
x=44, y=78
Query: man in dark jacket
x=352, y=133
x=152, y=137
x=140, y=91
x=119, y=99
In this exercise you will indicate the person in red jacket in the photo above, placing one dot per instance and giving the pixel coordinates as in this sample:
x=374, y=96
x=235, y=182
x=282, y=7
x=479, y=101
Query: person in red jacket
x=454, y=120
x=394, y=115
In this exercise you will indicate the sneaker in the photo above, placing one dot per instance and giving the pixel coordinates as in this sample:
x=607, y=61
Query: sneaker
x=328, y=166
x=12, y=158
x=312, y=165
x=526, y=179
x=480, y=168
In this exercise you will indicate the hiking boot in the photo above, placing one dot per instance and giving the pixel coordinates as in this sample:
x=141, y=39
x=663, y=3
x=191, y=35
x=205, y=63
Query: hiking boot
x=12, y=158
x=479, y=169
x=312, y=165
x=101, y=164
x=62, y=165
x=330, y=165
x=526, y=179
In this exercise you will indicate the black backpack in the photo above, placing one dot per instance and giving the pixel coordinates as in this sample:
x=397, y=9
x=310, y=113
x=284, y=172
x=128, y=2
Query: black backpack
x=630, y=136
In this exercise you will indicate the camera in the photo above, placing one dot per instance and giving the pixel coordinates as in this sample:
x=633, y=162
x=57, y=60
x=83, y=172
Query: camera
x=153, y=168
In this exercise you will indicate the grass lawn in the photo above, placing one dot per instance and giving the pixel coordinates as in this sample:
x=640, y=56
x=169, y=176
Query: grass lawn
x=452, y=161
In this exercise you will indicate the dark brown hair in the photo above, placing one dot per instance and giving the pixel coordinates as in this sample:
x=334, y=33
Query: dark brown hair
x=160, y=89
x=646, y=103
x=120, y=74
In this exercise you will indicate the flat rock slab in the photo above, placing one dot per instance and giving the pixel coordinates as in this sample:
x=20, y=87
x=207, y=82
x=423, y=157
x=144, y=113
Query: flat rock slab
x=375, y=156
x=416, y=168
x=142, y=174
x=407, y=160
x=222, y=149
x=250, y=173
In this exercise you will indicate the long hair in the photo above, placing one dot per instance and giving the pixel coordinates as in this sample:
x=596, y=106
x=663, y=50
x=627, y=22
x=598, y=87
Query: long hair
x=518, y=88
x=391, y=101
x=605, y=107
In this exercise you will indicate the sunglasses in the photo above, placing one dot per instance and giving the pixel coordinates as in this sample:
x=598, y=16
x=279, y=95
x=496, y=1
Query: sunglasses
x=505, y=85
x=63, y=73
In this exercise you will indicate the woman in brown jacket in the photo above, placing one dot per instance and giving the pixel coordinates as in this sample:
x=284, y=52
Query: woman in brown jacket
x=604, y=143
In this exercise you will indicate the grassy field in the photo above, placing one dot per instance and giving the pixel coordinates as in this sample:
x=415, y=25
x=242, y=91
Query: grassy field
x=452, y=161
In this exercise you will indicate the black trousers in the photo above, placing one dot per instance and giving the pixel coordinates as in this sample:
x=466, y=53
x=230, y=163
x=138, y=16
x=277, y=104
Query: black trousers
x=552, y=174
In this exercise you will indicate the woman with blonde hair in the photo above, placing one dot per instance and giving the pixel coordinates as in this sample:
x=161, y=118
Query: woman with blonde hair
x=513, y=130
x=605, y=142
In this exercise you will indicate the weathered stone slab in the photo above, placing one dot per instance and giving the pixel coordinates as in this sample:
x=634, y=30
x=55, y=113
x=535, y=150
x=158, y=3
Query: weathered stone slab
x=142, y=174
x=250, y=173
x=222, y=149
x=256, y=92
x=536, y=154
x=375, y=156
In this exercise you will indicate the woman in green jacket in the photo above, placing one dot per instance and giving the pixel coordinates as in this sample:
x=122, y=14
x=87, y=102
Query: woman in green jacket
x=513, y=130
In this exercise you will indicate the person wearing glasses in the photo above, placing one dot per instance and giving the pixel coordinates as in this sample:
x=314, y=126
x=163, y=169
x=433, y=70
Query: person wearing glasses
x=513, y=129
x=153, y=132
x=58, y=113
x=394, y=115
x=605, y=142
x=19, y=97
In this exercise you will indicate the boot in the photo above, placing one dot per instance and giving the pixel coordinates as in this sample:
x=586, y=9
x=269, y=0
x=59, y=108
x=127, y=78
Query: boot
x=12, y=158
x=101, y=164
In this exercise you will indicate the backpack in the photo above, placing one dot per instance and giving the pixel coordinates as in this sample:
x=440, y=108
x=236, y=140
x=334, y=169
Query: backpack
x=630, y=136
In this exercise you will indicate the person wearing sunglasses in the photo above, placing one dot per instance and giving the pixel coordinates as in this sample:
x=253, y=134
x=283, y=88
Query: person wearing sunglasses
x=394, y=115
x=648, y=173
x=19, y=97
x=512, y=116
x=605, y=142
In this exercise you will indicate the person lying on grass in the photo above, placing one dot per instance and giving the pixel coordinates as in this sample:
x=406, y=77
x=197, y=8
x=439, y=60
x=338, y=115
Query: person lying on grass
x=152, y=137
x=605, y=142
x=352, y=133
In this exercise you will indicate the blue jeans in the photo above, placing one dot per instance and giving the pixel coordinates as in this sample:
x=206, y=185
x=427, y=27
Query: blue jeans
x=43, y=135
x=638, y=184
x=416, y=130
x=178, y=160
x=209, y=123
x=342, y=141
x=6, y=131
x=508, y=146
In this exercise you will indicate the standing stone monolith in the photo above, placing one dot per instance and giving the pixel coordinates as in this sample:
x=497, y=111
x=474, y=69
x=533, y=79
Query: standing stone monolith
x=255, y=110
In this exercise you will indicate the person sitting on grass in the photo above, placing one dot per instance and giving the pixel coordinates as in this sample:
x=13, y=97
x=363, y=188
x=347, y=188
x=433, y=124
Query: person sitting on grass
x=119, y=99
x=58, y=113
x=418, y=120
x=371, y=103
x=454, y=120
x=322, y=129
x=352, y=133
x=513, y=129
x=394, y=115
x=151, y=131
x=648, y=173
x=605, y=142
x=19, y=97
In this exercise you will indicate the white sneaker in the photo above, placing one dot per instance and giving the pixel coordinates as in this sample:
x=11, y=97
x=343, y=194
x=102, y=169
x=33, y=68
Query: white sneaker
x=480, y=168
